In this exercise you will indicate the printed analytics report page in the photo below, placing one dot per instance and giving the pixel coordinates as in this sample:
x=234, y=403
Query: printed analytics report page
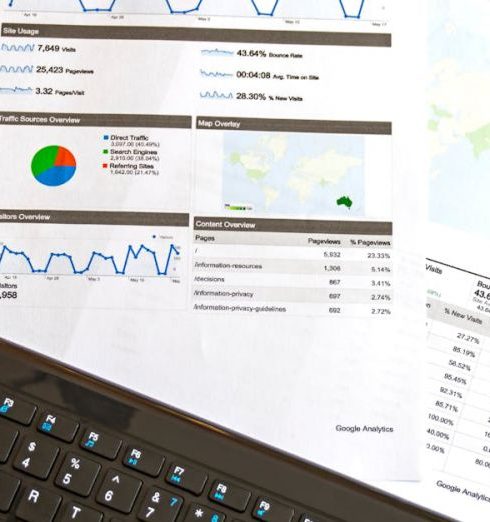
x=457, y=413
x=203, y=201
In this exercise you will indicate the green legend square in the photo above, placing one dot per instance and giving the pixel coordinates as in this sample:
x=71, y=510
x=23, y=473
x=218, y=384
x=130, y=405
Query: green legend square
x=105, y=151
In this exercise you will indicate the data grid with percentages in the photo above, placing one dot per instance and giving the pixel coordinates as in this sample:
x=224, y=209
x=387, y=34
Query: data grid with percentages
x=458, y=416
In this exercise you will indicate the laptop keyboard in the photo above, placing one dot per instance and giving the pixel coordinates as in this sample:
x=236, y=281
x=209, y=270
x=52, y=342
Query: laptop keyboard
x=57, y=468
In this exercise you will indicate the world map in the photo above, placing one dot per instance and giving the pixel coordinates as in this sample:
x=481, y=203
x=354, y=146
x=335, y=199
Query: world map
x=459, y=121
x=299, y=174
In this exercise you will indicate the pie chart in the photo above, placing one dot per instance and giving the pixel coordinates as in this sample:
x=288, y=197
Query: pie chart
x=53, y=166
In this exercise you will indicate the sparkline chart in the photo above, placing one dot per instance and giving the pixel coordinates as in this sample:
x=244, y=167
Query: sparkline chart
x=307, y=9
x=16, y=90
x=16, y=69
x=13, y=48
x=119, y=269
x=215, y=95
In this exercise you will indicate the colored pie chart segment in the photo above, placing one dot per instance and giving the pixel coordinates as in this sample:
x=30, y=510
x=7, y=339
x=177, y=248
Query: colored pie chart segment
x=53, y=166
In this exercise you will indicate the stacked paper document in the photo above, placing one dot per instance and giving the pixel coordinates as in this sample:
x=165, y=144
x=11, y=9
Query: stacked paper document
x=268, y=213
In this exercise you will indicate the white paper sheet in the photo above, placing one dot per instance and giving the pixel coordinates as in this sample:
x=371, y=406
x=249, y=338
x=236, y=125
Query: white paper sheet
x=272, y=284
x=457, y=414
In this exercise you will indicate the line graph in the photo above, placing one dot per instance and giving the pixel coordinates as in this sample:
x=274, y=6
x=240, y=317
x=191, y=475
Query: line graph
x=16, y=90
x=13, y=48
x=17, y=69
x=119, y=269
x=102, y=260
x=215, y=95
x=347, y=9
x=217, y=52
x=215, y=74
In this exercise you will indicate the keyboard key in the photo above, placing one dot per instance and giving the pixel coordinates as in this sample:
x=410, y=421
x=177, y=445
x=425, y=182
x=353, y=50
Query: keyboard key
x=57, y=426
x=78, y=474
x=38, y=505
x=15, y=409
x=160, y=506
x=230, y=495
x=8, y=489
x=8, y=436
x=187, y=478
x=272, y=511
x=101, y=444
x=199, y=513
x=36, y=457
x=144, y=460
x=119, y=491
x=79, y=513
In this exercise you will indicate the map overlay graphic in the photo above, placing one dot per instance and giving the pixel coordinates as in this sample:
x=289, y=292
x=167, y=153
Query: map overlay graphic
x=459, y=121
x=294, y=174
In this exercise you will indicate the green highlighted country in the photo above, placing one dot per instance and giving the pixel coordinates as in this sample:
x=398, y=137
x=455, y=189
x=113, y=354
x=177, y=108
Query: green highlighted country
x=345, y=201
x=235, y=158
x=480, y=140
x=441, y=113
x=433, y=125
x=256, y=174
x=253, y=169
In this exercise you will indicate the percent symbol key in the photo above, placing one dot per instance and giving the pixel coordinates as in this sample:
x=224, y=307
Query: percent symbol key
x=78, y=474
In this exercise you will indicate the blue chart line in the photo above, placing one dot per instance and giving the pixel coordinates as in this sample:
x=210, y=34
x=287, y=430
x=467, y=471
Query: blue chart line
x=215, y=74
x=215, y=95
x=27, y=48
x=172, y=9
x=131, y=253
x=357, y=15
x=15, y=90
x=216, y=52
x=26, y=69
x=270, y=13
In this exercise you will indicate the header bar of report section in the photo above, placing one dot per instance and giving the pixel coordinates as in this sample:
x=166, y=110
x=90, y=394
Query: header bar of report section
x=68, y=217
x=283, y=125
x=292, y=226
x=193, y=34
x=95, y=120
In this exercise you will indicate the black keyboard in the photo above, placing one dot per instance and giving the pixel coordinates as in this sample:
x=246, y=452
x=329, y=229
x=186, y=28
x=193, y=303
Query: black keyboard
x=73, y=448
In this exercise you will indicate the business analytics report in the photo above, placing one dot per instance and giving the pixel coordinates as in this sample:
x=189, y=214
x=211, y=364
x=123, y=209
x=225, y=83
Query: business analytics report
x=206, y=202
